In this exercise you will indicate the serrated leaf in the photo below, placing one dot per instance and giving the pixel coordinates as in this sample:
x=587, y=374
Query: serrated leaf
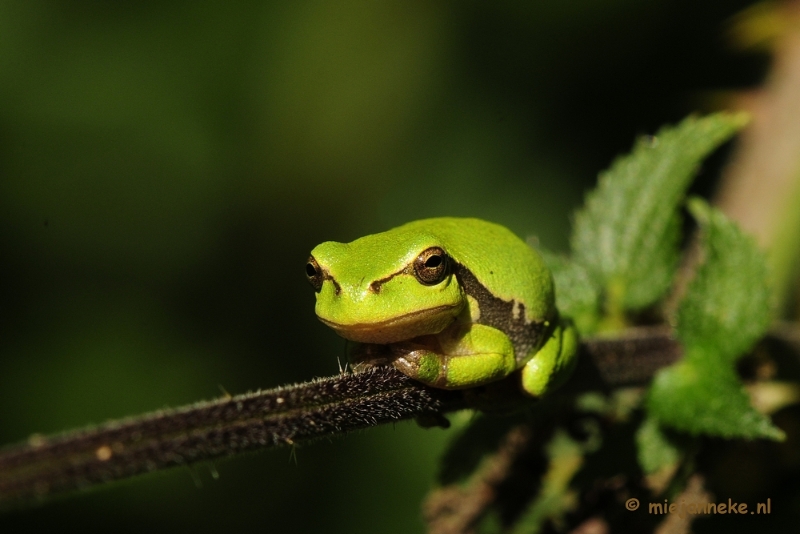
x=700, y=396
x=627, y=234
x=725, y=310
x=576, y=295
x=726, y=307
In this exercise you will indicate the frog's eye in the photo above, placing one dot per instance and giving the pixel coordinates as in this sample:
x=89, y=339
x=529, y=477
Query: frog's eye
x=431, y=266
x=314, y=274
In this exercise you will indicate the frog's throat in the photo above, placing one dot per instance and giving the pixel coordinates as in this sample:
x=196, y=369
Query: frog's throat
x=400, y=328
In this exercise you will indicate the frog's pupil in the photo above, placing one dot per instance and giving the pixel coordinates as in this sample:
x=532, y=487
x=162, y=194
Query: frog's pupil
x=433, y=262
x=310, y=269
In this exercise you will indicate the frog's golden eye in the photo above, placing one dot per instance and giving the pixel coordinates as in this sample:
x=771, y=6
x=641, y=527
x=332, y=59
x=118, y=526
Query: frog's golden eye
x=314, y=274
x=431, y=266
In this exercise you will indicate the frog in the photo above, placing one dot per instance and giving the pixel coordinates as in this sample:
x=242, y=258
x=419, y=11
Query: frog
x=453, y=303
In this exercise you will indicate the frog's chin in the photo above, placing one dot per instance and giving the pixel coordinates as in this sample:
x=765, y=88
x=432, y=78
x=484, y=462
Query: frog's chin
x=400, y=328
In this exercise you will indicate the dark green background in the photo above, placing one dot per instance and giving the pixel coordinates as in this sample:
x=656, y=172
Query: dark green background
x=165, y=167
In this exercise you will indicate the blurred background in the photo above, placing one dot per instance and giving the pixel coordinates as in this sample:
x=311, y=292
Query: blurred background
x=166, y=167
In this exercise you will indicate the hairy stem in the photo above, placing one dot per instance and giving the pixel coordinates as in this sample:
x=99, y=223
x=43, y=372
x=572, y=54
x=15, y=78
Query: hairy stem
x=44, y=466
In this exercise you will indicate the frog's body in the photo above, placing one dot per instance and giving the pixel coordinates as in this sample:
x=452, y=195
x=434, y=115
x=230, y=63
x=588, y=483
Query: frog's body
x=453, y=303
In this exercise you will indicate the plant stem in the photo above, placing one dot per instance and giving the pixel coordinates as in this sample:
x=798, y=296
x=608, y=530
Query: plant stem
x=44, y=466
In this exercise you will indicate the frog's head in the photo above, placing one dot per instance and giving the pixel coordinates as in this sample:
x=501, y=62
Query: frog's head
x=385, y=288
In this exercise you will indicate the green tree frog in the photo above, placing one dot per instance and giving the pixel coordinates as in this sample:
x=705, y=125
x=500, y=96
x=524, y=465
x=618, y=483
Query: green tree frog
x=451, y=302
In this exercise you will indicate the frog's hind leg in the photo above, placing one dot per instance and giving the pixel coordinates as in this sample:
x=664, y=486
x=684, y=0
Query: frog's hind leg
x=459, y=357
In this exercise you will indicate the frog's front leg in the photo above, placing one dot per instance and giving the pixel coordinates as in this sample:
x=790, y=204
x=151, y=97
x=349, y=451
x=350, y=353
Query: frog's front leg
x=462, y=356
x=553, y=362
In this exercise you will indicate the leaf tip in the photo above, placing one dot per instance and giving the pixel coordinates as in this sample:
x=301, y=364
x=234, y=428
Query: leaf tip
x=740, y=119
x=735, y=120
x=699, y=209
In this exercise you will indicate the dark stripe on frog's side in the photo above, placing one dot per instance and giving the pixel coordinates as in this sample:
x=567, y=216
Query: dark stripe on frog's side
x=499, y=313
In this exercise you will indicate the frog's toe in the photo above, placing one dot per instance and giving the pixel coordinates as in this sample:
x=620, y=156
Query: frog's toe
x=420, y=365
x=363, y=356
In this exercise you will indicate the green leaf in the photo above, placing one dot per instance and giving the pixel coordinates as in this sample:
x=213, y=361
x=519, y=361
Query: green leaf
x=725, y=310
x=699, y=396
x=655, y=450
x=576, y=295
x=627, y=234
x=726, y=307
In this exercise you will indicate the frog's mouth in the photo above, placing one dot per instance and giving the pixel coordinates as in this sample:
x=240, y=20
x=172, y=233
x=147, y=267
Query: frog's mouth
x=400, y=328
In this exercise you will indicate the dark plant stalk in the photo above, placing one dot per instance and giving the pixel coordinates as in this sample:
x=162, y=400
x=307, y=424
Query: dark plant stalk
x=47, y=465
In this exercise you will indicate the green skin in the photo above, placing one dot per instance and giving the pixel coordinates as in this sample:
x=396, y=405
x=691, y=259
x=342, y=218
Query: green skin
x=453, y=303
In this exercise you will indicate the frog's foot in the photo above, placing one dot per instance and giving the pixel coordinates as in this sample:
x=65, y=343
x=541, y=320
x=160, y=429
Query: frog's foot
x=424, y=365
x=476, y=357
x=454, y=372
x=363, y=356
